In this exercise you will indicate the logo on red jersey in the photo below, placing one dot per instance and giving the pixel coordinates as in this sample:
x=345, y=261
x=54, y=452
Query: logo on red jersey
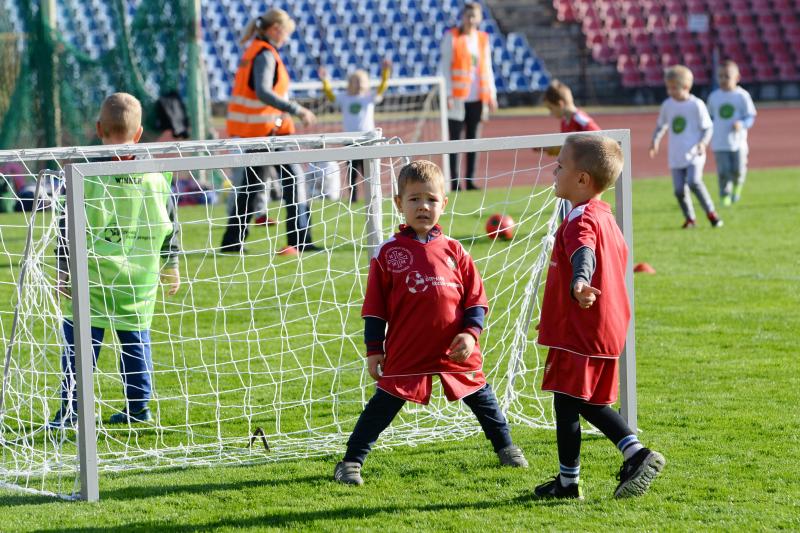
x=398, y=259
x=450, y=263
x=416, y=282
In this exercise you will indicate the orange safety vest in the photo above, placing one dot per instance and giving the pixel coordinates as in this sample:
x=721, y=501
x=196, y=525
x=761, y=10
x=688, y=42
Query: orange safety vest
x=461, y=66
x=247, y=115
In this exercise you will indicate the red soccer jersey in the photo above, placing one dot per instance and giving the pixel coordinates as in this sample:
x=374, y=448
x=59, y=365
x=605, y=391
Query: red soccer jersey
x=422, y=290
x=579, y=121
x=600, y=330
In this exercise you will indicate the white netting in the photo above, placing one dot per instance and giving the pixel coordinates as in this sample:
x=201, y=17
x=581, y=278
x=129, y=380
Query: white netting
x=263, y=340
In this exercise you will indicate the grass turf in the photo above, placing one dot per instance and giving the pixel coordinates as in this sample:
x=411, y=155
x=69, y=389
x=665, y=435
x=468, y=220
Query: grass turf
x=717, y=386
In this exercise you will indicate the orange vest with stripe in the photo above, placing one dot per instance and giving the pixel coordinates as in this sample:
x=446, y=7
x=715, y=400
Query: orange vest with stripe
x=461, y=66
x=247, y=115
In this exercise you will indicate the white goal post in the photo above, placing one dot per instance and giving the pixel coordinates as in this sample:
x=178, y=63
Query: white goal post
x=262, y=348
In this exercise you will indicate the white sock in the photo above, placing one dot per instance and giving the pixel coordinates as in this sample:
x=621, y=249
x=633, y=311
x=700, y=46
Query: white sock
x=568, y=475
x=629, y=446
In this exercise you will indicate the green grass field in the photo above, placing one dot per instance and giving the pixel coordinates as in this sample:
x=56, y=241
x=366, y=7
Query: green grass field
x=718, y=394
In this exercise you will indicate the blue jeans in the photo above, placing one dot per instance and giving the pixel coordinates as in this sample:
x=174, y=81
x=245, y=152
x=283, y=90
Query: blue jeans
x=691, y=179
x=383, y=407
x=731, y=169
x=136, y=365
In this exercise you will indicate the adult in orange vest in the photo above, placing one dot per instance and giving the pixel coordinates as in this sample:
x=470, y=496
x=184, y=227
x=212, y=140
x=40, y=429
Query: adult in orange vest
x=260, y=107
x=466, y=65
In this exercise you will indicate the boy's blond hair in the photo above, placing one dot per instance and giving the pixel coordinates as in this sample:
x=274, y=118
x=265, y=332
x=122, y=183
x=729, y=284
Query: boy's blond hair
x=421, y=171
x=120, y=116
x=599, y=156
x=558, y=92
x=358, y=75
x=681, y=74
x=729, y=63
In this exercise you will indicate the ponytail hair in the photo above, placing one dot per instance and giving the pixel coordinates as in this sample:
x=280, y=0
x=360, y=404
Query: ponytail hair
x=261, y=24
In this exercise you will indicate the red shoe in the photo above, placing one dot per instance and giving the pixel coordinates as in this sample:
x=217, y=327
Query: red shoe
x=716, y=222
x=690, y=223
x=264, y=220
x=288, y=250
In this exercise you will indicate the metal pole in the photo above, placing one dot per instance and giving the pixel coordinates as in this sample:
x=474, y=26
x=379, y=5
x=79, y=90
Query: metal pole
x=443, y=127
x=84, y=355
x=624, y=214
x=196, y=70
x=49, y=77
x=374, y=205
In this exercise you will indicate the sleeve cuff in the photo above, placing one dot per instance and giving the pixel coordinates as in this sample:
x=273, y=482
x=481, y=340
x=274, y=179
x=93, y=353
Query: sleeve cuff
x=474, y=331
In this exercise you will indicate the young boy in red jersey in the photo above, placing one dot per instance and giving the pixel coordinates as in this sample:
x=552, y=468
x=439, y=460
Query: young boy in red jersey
x=424, y=286
x=585, y=315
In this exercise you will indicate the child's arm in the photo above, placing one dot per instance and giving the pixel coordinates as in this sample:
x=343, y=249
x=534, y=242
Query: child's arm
x=583, y=266
x=386, y=72
x=170, y=249
x=326, y=84
x=464, y=343
x=374, y=335
x=661, y=128
x=706, y=128
x=749, y=114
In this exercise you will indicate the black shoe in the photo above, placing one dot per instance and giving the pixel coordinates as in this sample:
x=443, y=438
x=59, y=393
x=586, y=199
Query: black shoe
x=310, y=248
x=233, y=249
x=554, y=489
x=65, y=418
x=638, y=472
x=126, y=417
x=472, y=187
x=348, y=473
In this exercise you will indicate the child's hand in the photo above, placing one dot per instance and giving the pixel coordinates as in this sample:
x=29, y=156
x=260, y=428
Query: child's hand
x=653, y=150
x=375, y=365
x=700, y=149
x=63, y=285
x=461, y=347
x=585, y=294
x=323, y=73
x=737, y=125
x=492, y=104
x=307, y=116
x=552, y=150
x=171, y=278
x=450, y=102
x=386, y=64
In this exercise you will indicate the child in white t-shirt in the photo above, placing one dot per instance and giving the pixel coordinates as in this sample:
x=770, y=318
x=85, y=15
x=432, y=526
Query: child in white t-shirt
x=358, y=110
x=733, y=113
x=690, y=129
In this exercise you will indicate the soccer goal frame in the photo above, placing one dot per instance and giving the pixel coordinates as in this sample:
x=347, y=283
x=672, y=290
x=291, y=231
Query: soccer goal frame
x=79, y=267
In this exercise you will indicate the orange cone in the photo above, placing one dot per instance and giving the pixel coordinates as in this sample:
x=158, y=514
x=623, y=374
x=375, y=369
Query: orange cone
x=287, y=250
x=644, y=268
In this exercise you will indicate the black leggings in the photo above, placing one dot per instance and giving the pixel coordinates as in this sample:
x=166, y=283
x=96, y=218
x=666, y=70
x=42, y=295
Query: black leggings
x=568, y=426
x=472, y=120
x=383, y=407
x=356, y=172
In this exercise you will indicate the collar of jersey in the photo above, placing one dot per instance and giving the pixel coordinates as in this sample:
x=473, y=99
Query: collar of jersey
x=408, y=231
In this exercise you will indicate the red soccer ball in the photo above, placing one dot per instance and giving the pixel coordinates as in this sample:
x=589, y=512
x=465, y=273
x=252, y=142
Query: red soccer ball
x=500, y=226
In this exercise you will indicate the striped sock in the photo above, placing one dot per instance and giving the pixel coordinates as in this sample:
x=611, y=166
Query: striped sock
x=629, y=446
x=569, y=475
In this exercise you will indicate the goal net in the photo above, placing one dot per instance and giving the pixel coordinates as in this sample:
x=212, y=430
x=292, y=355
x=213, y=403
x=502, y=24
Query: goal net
x=259, y=356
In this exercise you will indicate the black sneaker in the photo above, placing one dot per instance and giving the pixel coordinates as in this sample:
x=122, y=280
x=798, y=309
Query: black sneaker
x=125, y=417
x=638, y=472
x=554, y=489
x=716, y=222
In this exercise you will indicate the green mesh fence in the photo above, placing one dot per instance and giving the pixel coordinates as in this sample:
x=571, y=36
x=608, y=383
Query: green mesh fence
x=52, y=82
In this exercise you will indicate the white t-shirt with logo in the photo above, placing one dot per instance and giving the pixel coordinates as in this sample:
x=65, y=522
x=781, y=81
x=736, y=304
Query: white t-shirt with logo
x=686, y=119
x=358, y=111
x=726, y=107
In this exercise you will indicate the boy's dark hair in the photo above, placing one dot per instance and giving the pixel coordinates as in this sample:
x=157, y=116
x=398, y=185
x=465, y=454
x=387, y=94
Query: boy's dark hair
x=472, y=6
x=558, y=92
x=599, y=156
x=422, y=171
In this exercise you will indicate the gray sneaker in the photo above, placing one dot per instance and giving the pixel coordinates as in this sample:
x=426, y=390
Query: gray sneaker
x=348, y=473
x=512, y=455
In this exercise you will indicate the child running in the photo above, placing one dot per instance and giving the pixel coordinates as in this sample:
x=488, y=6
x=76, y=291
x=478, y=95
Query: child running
x=585, y=316
x=733, y=113
x=424, y=286
x=690, y=129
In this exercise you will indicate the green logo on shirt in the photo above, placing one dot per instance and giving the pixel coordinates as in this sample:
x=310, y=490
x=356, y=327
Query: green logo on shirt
x=355, y=108
x=678, y=124
x=726, y=111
